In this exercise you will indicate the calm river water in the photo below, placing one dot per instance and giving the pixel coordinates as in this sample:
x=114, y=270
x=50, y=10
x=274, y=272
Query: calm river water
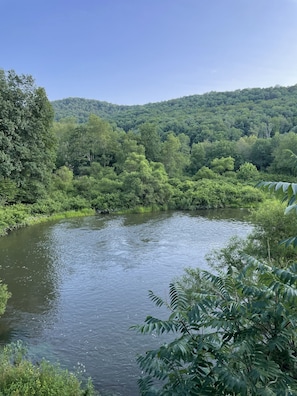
x=78, y=285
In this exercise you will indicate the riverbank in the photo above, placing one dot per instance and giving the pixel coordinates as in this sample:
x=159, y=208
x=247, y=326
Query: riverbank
x=188, y=196
x=20, y=215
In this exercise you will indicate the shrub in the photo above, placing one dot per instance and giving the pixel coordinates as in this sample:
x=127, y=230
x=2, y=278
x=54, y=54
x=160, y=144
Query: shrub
x=205, y=173
x=247, y=171
x=12, y=217
x=272, y=226
x=233, y=333
x=20, y=377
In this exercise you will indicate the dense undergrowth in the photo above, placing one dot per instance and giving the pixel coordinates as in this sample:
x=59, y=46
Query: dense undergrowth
x=180, y=195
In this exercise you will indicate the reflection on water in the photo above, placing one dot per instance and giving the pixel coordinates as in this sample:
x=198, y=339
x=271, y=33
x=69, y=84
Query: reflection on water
x=28, y=268
x=79, y=284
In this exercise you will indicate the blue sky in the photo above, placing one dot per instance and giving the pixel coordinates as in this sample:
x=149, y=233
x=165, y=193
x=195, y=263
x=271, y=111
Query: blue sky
x=141, y=51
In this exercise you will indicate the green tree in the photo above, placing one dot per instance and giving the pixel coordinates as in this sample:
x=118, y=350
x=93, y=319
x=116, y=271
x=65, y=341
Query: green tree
x=63, y=131
x=63, y=179
x=27, y=143
x=94, y=141
x=150, y=139
x=288, y=193
x=222, y=165
x=127, y=144
x=282, y=161
x=234, y=334
x=8, y=190
x=197, y=158
x=219, y=149
x=247, y=171
x=79, y=149
x=174, y=157
x=244, y=146
x=144, y=183
x=205, y=173
x=272, y=226
x=261, y=153
x=102, y=139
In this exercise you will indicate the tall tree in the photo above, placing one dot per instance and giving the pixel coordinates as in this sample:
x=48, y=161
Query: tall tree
x=63, y=131
x=27, y=143
x=173, y=158
x=150, y=139
x=282, y=161
x=197, y=159
x=127, y=144
x=261, y=153
x=103, y=140
x=93, y=141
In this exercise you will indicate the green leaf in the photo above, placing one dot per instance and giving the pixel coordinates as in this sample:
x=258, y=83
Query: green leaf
x=157, y=300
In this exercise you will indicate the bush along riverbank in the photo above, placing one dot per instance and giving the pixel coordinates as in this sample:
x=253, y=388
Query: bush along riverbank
x=20, y=377
x=20, y=215
x=88, y=201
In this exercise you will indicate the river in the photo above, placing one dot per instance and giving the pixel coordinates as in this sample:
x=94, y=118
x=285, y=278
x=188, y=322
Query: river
x=78, y=285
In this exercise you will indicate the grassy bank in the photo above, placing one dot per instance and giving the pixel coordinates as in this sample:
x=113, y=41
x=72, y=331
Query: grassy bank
x=19, y=215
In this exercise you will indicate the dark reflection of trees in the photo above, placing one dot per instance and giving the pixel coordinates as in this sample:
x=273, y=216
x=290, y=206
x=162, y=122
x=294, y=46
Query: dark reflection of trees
x=141, y=218
x=211, y=214
x=222, y=214
x=29, y=268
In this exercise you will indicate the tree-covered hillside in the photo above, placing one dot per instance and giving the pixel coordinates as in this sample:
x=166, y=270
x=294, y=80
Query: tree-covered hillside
x=212, y=116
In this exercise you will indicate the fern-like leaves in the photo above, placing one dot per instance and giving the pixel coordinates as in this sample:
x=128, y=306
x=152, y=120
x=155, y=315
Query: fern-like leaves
x=234, y=336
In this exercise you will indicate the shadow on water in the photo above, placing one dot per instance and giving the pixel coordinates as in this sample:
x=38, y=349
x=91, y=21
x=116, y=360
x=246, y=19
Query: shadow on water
x=29, y=268
x=223, y=214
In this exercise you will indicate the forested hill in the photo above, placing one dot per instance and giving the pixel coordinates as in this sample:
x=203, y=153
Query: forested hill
x=228, y=115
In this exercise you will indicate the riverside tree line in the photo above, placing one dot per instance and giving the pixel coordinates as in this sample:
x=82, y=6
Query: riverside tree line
x=155, y=162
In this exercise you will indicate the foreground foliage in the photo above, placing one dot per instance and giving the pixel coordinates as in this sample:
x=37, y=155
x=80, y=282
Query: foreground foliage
x=19, y=377
x=235, y=334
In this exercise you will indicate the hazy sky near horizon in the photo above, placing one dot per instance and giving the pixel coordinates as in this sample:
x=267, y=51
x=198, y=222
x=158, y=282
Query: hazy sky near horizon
x=141, y=51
